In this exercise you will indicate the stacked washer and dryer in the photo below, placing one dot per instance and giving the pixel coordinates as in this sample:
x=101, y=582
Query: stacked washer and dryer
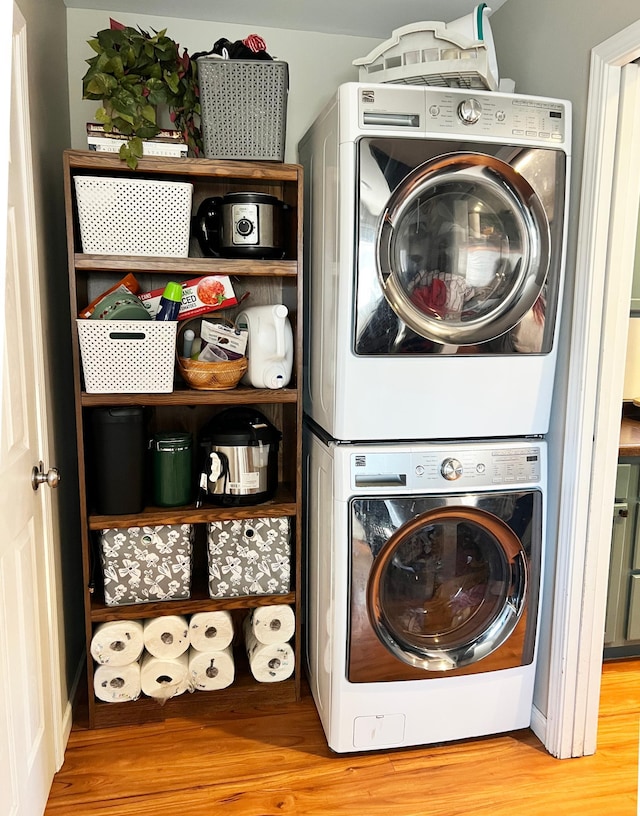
x=434, y=241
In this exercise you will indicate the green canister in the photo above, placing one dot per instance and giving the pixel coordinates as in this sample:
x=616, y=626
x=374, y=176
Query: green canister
x=172, y=469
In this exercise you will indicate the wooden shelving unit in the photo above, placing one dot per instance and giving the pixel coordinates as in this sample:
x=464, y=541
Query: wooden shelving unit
x=268, y=281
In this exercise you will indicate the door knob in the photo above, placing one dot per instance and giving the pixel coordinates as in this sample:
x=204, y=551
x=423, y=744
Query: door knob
x=38, y=477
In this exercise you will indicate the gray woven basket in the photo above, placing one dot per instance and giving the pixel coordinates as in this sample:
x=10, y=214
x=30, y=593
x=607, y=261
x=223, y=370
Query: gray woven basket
x=244, y=108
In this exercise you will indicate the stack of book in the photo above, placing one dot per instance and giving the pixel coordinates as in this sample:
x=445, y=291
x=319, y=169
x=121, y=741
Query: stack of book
x=166, y=143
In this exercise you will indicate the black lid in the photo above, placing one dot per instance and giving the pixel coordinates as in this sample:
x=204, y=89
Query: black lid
x=240, y=426
x=250, y=198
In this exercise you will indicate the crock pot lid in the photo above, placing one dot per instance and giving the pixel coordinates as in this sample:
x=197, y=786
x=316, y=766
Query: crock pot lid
x=240, y=427
x=249, y=198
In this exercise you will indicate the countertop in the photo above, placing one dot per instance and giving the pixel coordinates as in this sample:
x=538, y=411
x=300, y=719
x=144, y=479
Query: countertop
x=629, y=436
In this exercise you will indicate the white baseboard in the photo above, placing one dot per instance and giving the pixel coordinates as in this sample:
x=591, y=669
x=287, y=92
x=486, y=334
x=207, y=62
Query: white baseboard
x=539, y=724
x=67, y=715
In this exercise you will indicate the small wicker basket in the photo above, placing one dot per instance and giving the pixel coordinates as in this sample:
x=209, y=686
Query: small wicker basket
x=212, y=376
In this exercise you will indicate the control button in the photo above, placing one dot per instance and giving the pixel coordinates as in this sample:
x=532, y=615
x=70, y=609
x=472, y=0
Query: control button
x=469, y=111
x=434, y=110
x=244, y=226
x=451, y=469
x=517, y=132
x=419, y=470
x=544, y=135
x=500, y=116
x=532, y=133
x=480, y=468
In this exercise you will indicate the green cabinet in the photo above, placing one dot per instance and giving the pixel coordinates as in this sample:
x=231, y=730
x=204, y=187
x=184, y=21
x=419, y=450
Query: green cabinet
x=622, y=622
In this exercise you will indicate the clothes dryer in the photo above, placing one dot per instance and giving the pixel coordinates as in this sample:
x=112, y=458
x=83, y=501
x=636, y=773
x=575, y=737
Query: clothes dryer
x=434, y=241
x=425, y=565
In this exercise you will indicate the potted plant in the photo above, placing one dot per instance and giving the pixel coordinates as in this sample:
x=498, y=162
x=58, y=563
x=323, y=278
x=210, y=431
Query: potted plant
x=133, y=72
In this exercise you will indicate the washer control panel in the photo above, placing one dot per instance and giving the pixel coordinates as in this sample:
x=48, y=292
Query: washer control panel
x=427, y=469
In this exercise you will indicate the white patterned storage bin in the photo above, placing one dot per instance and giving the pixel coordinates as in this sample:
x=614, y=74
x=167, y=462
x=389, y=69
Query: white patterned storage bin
x=123, y=216
x=244, y=108
x=144, y=564
x=127, y=356
x=249, y=557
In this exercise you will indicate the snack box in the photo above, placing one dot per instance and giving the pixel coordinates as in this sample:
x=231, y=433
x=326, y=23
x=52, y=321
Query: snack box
x=199, y=296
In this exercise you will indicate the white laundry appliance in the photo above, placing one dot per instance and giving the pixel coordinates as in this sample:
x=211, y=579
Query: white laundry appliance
x=424, y=587
x=434, y=242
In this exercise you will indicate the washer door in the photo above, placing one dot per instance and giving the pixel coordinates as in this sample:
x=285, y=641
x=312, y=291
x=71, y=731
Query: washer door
x=463, y=249
x=448, y=588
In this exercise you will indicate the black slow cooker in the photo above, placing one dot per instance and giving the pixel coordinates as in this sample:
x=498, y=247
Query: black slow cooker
x=241, y=225
x=239, y=450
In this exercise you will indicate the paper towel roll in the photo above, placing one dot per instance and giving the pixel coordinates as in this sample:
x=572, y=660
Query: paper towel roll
x=272, y=624
x=117, y=684
x=166, y=637
x=211, y=631
x=269, y=662
x=117, y=643
x=212, y=670
x=162, y=677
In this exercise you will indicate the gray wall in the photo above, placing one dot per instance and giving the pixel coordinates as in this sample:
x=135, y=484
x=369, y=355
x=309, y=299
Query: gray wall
x=318, y=63
x=553, y=59
x=49, y=111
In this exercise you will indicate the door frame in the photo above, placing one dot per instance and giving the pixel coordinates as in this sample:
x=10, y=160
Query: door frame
x=608, y=220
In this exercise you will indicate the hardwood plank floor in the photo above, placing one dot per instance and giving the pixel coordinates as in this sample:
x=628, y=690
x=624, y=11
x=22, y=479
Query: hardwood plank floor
x=263, y=763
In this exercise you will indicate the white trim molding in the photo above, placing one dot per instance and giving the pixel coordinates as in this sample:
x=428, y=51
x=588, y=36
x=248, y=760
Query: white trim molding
x=604, y=262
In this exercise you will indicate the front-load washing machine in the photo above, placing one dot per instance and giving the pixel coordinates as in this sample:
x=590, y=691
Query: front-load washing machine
x=424, y=585
x=434, y=252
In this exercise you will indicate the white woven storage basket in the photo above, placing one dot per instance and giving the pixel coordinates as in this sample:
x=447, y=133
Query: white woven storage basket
x=123, y=216
x=127, y=356
x=244, y=108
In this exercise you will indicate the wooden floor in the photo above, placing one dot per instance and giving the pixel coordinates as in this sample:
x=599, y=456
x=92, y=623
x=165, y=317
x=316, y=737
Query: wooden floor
x=259, y=763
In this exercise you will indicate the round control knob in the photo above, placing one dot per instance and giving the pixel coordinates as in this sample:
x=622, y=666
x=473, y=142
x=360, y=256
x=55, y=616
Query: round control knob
x=469, y=111
x=451, y=469
x=244, y=226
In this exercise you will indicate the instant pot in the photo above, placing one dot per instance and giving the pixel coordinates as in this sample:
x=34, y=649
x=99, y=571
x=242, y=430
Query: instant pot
x=239, y=450
x=241, y=225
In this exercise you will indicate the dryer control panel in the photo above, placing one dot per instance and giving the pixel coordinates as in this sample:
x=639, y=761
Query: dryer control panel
x=441, y=469
x=497, y=115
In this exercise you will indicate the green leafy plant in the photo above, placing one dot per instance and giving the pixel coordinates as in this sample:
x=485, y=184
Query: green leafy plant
x=132, y=73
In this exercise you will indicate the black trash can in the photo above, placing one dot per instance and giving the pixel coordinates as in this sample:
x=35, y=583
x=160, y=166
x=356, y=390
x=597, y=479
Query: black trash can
x=118, y=461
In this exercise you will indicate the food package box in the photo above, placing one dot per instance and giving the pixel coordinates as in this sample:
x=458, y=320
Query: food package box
x=145, y=564
x=199, y=296
x=249, y=557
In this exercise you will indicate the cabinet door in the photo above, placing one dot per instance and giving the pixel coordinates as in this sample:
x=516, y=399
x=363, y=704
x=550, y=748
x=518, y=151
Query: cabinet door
x=619, y=530
x=633, y=621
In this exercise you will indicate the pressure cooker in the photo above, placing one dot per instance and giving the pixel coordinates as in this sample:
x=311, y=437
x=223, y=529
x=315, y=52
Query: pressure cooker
x=239, y=450
x=241, y=225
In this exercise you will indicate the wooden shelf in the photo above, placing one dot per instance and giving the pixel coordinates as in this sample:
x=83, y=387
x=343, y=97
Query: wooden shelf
x=190, y=267
x=199, y=602
x=188, y=396
x=283, y=504
x=195, y=169
x=270, y=281
x=244, y=692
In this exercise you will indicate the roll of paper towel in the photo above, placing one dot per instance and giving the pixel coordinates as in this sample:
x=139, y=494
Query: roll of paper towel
x=211, y=631
x=210, y=671
x=162, y=677
x=117, y=684
x=272, y=624
x=269, y=662
x=166, y=637
x=117, y=643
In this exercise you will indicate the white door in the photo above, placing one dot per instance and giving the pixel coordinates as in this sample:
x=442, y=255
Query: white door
x=29, y=667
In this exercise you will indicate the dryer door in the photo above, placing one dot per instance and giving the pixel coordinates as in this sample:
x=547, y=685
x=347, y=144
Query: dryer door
x=448, y=588
x=463, y=249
